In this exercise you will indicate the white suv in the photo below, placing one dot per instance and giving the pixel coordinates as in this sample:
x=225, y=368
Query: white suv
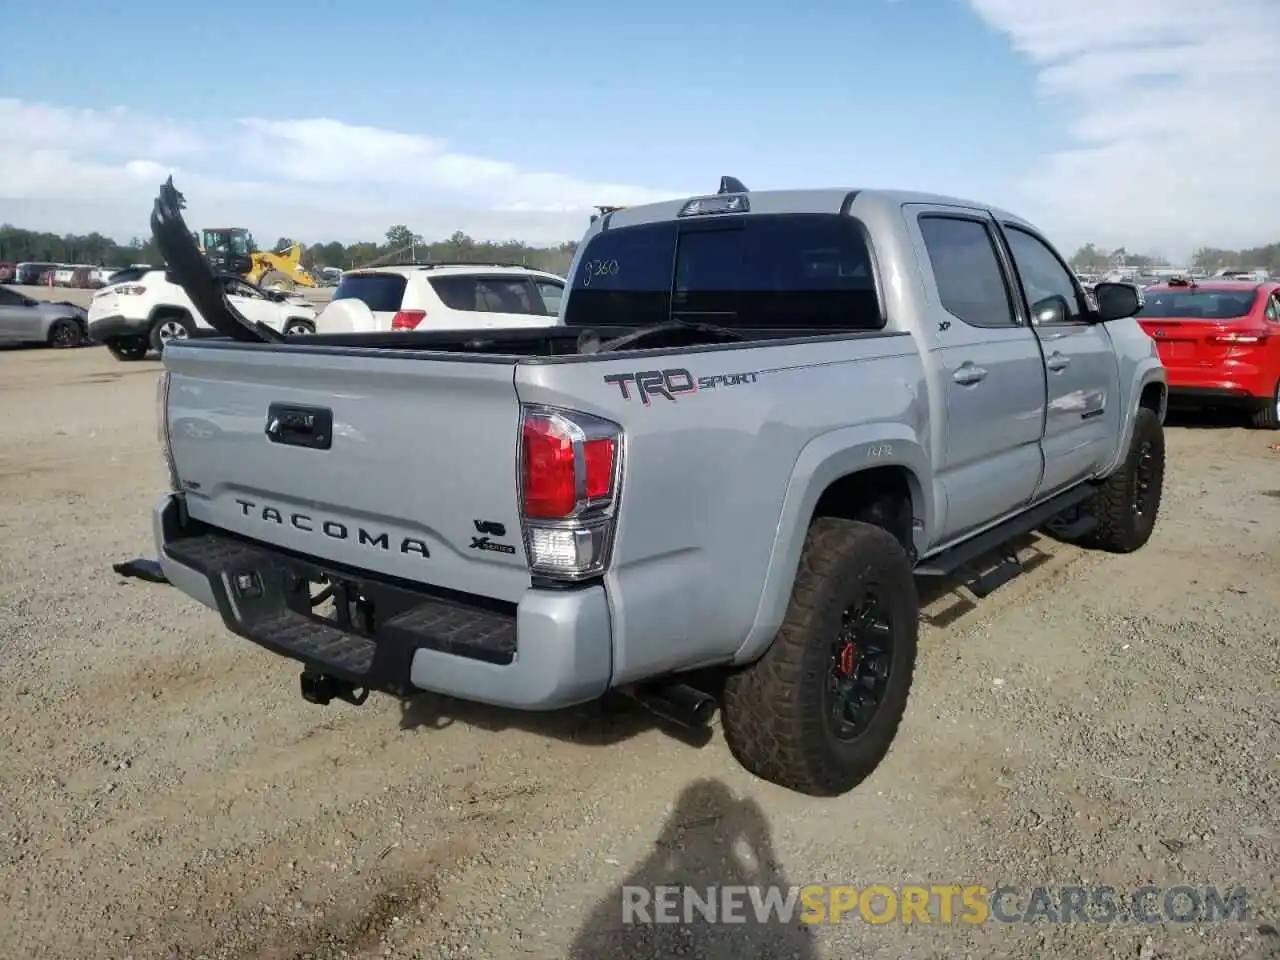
x=143, y=309
x=442, y=296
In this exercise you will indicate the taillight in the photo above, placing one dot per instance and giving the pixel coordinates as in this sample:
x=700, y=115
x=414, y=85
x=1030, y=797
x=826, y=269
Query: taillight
x=570, y=475
x=408, y=319
x=130, y=290
x=1243, y=337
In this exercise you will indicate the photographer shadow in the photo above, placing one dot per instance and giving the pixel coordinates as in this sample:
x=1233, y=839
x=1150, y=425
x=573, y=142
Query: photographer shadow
x=713, y=840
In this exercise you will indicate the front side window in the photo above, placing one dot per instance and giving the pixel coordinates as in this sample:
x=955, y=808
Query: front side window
x=1042, y=274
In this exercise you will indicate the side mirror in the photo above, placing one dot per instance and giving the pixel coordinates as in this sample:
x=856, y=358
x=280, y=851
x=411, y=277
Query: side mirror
x=1116, y=301
x=1052, y=309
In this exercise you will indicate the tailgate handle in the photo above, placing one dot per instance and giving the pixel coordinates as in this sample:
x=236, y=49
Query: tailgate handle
x=294, y=426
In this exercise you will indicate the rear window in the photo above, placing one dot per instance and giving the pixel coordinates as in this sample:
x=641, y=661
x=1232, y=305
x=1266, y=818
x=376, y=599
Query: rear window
x=128, y=275
x=808, y=271
x=380, y=292
x=1190, y=304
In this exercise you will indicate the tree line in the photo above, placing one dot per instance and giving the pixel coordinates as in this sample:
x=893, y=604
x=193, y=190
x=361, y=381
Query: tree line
x=399, y=244
x=1094, y=259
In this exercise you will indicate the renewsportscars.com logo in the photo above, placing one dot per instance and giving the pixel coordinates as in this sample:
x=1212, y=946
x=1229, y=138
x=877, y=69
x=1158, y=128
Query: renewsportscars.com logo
x=935, y=904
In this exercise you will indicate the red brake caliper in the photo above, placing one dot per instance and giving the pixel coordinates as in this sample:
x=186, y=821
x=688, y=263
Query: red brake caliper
x=846, y=659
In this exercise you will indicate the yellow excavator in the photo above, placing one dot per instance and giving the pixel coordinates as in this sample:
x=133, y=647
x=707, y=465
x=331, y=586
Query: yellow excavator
x=233, y=250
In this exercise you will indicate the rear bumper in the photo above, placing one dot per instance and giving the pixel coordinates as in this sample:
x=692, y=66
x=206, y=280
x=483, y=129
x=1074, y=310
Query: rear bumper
x=114, y=327
x=1230, y=380
x=1224, y=392
x=550, y=650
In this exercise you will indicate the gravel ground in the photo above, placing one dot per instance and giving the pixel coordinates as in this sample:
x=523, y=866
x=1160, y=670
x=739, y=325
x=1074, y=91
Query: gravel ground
x=166, y=793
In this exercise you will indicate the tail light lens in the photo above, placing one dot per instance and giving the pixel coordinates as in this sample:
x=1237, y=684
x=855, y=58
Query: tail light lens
x=570, y=477
x=408, y=319
x=130, y=290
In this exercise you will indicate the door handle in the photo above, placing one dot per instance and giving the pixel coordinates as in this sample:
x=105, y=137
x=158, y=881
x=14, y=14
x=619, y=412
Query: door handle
x=968, y=374
x=1057, y=362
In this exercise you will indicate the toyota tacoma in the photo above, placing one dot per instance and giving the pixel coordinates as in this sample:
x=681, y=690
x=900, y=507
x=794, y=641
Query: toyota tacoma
x=764, y=417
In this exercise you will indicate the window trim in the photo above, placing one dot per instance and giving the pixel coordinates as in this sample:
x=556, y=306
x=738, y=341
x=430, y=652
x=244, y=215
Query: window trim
x=1082, y=302
x=1017, y=310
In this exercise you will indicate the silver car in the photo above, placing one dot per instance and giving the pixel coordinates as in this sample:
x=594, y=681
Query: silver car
x=24, y=320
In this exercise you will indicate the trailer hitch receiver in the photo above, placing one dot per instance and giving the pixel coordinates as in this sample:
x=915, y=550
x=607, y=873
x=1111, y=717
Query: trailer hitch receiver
x=322, y=689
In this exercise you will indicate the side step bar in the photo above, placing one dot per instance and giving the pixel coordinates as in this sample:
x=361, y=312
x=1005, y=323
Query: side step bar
x=947, y=562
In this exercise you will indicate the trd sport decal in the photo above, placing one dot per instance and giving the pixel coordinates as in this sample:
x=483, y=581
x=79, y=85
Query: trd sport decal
x=672, y=383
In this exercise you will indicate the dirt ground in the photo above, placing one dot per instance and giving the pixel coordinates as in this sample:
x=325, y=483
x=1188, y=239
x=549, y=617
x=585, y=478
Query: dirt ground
x=166, y=793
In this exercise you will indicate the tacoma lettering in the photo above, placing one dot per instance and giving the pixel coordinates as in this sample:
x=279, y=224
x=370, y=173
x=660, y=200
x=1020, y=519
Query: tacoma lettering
x=332, y=529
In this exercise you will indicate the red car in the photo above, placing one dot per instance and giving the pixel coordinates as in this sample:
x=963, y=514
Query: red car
x=1220, y=342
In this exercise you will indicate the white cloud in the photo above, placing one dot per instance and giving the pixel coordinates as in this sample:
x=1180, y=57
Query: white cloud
x=319, y=179
x=1173, y=140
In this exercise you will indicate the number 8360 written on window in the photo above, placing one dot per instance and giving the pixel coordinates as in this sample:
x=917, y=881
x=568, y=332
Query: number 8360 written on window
x=598, y=268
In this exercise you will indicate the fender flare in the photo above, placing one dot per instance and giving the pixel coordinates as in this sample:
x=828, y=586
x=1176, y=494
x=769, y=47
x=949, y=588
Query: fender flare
x=822, y=461
x=1148, y=371
x=168, y=308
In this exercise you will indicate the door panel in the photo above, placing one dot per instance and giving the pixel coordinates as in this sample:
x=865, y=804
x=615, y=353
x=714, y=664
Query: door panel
x=12, y=316
x=1082, y=418
x=988, y=367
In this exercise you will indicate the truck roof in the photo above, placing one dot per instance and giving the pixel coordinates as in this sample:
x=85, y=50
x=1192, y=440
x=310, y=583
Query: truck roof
x=817, y=200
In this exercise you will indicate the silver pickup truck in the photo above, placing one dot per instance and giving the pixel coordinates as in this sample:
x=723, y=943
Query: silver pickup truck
x=762, y=417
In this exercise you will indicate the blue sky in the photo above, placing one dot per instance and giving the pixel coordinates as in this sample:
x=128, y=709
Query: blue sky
x=511, y=118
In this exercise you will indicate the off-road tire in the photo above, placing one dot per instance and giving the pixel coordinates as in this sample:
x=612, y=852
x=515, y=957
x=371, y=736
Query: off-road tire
x=773, y=711
x=157, y=338
x=1121, y=528
x=65, y=333
x=128, y=348
x=1267, y=417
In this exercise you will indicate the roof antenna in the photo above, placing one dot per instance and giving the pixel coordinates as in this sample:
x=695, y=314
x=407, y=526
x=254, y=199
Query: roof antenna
x=732, y=185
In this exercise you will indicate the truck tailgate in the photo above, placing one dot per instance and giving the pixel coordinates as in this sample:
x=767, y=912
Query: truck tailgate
x=420, y=456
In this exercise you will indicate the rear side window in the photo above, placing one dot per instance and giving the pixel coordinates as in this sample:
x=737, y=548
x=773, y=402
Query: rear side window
x=807, y=271
x=488, y=294
x=970, y=282
x=380, y=292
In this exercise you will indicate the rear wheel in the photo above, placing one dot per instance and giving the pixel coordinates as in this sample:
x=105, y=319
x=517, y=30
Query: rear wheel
x=128, y=348
x=169, y=328
x=1267, y=416
x=294, y=327
x=65, y=333
x=818, y=712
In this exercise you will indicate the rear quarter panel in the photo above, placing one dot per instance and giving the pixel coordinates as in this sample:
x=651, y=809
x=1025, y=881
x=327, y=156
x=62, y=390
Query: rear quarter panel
x=705, y=554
